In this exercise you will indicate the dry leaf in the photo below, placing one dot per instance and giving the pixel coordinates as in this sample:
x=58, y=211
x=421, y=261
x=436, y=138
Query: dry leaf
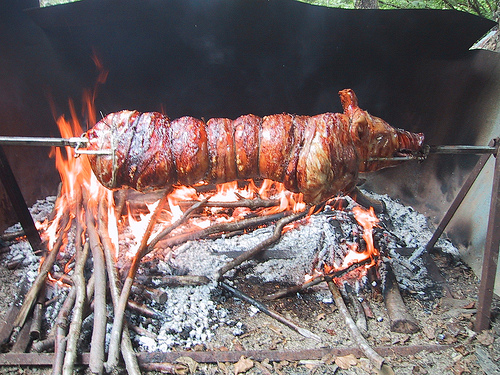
x=429, y=332
x=470, y=305
x=328, y=358
x=189, y=362
x=321, y=316
x=485, y=338
x=346, y=362
x=243, y=365
x=224, y=368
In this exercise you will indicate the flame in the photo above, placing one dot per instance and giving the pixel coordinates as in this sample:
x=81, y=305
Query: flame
x=368, y=220
x=138, y=227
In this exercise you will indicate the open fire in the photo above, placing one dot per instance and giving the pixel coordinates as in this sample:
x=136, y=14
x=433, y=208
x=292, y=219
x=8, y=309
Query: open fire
x=342, y=241
x=158, y=259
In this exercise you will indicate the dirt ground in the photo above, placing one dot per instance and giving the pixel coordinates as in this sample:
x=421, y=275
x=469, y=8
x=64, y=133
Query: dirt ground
x=443, y=321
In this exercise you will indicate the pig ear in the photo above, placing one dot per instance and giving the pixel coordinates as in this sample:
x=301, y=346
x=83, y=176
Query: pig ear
x=349, y=101
x=360, y=130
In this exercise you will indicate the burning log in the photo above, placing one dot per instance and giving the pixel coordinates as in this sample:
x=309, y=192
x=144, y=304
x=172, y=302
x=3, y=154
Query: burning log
x=401, y=319
x=316, y=280
x=252, y=204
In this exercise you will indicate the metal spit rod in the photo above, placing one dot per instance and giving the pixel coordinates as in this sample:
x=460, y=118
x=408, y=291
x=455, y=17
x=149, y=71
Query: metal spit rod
x=79, y=144
x=445, y=149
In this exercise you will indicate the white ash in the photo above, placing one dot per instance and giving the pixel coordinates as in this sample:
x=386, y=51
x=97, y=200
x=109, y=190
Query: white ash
x=414, y=230
x=411, y=226
x=21, y=251
x=191, y=314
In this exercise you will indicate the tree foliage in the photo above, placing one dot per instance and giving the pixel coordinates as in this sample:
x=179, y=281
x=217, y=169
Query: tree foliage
x=484, y=8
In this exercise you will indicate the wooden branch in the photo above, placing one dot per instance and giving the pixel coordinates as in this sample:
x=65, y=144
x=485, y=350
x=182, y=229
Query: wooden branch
x=400, y=318
x=157, y=295
x=76, y=321
x=371, y=354
x=96, y=360
x=280, y=318
x=264, y=244
x=61, y=325
x=127, y=350
x=116, y=331
x=360, y=312
x=39, y=282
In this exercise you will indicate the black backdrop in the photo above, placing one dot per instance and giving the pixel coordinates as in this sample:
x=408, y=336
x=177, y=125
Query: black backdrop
x=209, y=58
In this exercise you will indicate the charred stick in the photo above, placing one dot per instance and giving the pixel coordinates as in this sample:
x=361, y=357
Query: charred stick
x=264, y=244
x=23, y=339
x=174, y=225
x=142, y=310
x=143, y=332
x=367, y=309
x=36, y=322
x=296, y=288
x=401, y=319
x=114, y=285
x=76, y=321
x=364, y=200
x=222, y=228
x=157, y=295
x=243, y=202
x=280, y=318
x=371, y=354
x=96, y=360
x=44, y=345
x=183, y=280
x=315, y=281
x=39, y=282
x=12, y=236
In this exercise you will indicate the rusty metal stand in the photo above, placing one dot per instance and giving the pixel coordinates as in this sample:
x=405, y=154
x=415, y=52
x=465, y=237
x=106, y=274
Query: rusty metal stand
x=490, y=259
x=18, y=202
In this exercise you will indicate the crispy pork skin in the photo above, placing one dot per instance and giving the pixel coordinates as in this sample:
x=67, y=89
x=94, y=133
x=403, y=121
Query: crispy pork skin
x=319, y=156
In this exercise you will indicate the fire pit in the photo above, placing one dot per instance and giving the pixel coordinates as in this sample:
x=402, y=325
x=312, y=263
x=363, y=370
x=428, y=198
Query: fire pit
x=175, y=260
x=245, y=277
